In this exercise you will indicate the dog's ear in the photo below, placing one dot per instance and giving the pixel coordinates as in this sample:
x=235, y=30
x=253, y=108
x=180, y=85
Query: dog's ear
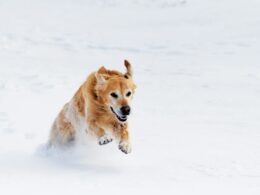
x=101, y=75
x=102, y=70
x=129, y=70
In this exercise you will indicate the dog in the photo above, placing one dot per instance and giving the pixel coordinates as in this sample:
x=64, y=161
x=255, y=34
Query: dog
x=100, y=107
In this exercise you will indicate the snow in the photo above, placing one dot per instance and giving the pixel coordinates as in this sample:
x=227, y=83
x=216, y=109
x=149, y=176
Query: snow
x=195, y=125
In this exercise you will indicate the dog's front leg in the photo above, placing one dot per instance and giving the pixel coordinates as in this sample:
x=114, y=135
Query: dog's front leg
x=123, y=137
x=103, y=138
x=99, y=133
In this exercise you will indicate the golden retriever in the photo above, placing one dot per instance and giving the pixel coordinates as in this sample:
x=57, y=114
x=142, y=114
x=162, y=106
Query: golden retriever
x=100, y=107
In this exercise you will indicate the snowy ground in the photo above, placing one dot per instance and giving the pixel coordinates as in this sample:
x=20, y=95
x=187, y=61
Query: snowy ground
x=195, y=126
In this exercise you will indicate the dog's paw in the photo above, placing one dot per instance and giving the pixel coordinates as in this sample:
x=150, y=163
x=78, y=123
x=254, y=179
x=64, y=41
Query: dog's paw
x=125, y=147
x=104, y=140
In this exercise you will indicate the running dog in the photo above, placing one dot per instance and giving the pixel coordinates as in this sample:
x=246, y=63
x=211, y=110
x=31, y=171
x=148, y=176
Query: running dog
x=100, y=107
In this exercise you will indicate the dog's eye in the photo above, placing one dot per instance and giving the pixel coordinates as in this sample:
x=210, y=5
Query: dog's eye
x=114, y=95
x=128, y=93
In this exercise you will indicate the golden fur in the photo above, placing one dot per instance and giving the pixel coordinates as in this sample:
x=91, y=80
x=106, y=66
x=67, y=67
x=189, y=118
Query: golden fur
x=90, y=109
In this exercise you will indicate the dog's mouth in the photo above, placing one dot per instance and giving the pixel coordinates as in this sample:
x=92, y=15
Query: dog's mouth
x=122, y=118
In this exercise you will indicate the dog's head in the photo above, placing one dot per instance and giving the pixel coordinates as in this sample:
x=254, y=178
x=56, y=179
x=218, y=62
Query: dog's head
x=115, y=90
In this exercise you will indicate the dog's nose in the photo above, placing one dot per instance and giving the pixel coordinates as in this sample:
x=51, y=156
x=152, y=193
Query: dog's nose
x=125, y=110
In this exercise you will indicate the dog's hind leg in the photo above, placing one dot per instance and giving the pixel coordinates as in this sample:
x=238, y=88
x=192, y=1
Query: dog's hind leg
x=61, y=135
x=62, y=132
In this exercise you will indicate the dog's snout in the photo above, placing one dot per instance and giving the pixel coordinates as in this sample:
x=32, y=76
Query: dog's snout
x=125, y=110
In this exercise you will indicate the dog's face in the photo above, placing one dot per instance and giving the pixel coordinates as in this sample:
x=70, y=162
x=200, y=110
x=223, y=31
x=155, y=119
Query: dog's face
x=116, y=90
